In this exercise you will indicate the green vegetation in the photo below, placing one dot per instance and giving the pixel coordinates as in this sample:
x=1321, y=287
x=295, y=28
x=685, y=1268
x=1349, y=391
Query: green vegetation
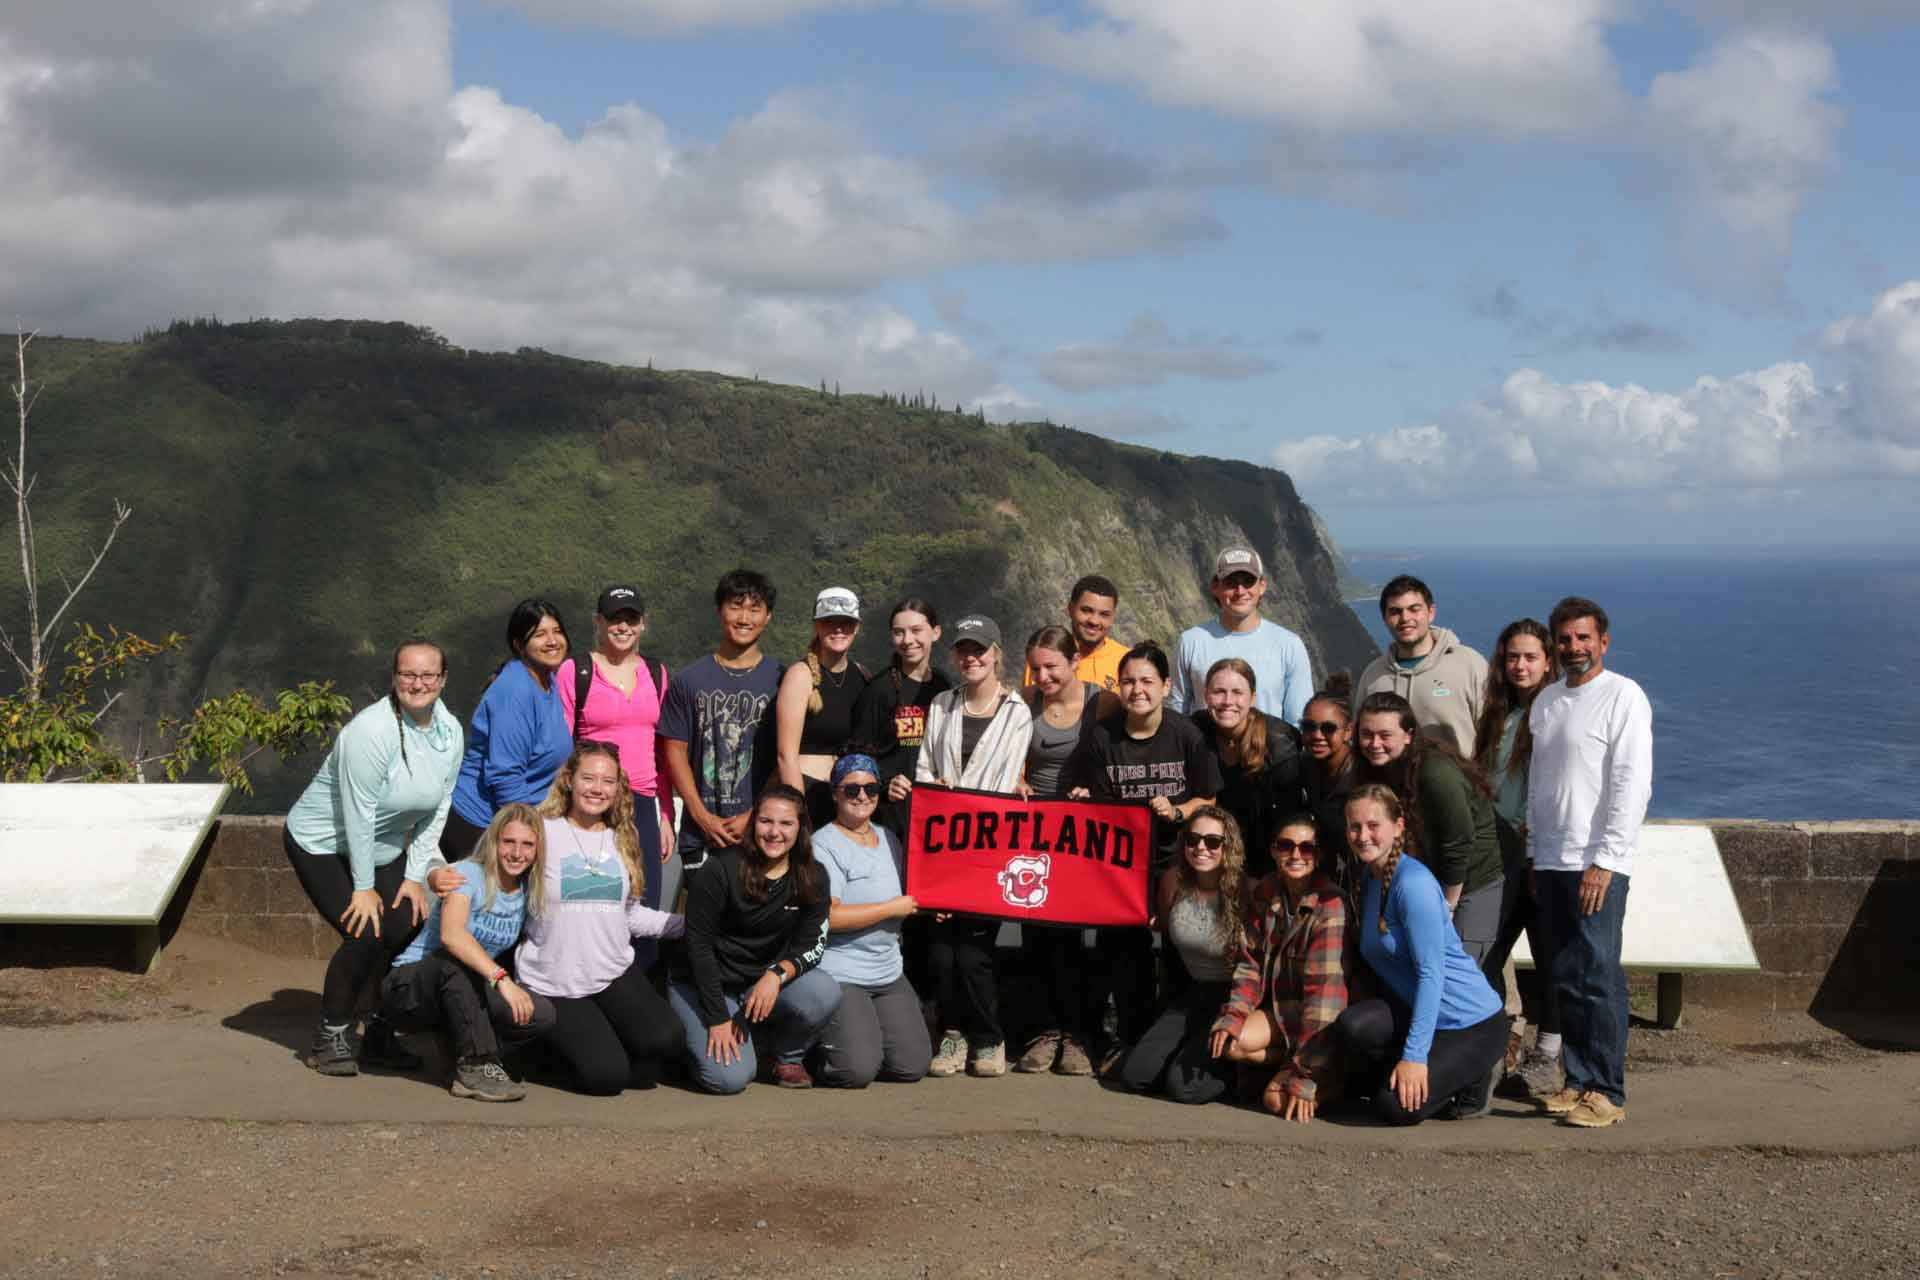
x=308, y=493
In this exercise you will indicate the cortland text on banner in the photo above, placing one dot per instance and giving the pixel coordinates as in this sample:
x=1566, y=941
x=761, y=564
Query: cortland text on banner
x=1068, y=862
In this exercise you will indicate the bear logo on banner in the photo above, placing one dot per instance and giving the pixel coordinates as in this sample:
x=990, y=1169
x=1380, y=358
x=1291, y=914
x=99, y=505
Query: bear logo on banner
x=1023, y=881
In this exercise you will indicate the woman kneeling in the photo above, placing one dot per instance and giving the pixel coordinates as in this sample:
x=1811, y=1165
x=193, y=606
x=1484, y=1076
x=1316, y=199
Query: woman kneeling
x=756, y=929
x=449, y=976
x=1438, y=1015
x=1290, y=983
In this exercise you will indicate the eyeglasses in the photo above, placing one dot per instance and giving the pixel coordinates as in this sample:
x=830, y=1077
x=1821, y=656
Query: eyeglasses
x=1283, y=846
x=1327, y=727
x=857, y=790
x=419, y=677
x=1212, y=839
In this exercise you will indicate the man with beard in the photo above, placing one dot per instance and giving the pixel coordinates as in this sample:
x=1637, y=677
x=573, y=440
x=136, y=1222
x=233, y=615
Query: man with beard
x=1587, y=794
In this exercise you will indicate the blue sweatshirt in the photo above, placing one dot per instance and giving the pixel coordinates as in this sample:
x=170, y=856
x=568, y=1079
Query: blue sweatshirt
x=1420, y=958
x=516, y=744
x=372, y=803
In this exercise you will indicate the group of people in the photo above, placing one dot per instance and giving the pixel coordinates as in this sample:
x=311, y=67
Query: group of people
x=1338, y=875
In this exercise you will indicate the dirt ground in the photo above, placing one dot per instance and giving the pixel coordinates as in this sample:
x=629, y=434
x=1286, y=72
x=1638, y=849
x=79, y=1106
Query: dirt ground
x=159, y=1125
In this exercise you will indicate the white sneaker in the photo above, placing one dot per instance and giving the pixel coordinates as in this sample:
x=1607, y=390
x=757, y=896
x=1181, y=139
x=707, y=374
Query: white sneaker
x=951, y=1058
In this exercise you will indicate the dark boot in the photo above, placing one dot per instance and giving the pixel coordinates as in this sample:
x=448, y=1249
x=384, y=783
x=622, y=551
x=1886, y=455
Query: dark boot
x=382, y=1048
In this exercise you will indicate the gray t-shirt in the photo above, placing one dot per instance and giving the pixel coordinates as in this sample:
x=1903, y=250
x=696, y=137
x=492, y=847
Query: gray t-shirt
x=1050, y=749
x=1193, y=927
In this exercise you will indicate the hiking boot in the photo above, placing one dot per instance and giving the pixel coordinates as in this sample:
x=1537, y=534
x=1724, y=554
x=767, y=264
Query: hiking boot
x=332, y=1053
x=951, y=1057
x=485, y=1080
x=792, y=1075
x=1073, y=1058
x=1538, y=1076
x=1471, y=1104
x=1040, y=1054
x=382, y=1048
x=1561, y=1103
x=988, y=1062
x=1594, y=1111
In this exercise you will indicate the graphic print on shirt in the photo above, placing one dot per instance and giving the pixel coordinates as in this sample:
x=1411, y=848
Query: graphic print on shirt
x=909, y=725
x=731, y=719
x=583, y=881
x=1145, y=781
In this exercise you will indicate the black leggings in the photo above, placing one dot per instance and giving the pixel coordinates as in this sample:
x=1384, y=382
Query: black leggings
x=458, y=837
x=616, y=1038
x=1058, y=964
x=1173, y=1054
x=360, y=962
x=1520, y=913
x=962, y=954
x=1373, y=1033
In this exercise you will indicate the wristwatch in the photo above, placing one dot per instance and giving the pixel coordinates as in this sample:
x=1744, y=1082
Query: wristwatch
x=778, y=976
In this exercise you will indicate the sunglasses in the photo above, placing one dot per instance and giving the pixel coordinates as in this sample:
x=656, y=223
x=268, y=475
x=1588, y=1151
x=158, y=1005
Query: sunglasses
x=1212, y=839
x=1328, y=727
x=855, y=790
x=1283, y=846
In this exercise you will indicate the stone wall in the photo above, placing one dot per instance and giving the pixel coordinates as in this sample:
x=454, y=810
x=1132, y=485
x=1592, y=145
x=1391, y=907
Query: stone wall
x=1833, y=909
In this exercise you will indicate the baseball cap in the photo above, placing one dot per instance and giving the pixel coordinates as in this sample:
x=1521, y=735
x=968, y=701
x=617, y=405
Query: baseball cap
x=977, y=627
x=1238, y=559
x=619, y=599
x=836, y=602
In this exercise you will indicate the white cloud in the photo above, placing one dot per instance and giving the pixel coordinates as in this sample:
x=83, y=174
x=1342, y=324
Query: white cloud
x=1516, y=67
x=1740, y=140
x=648, y=17
x=300, y=158
x=1147, y=355
x=1774, y=429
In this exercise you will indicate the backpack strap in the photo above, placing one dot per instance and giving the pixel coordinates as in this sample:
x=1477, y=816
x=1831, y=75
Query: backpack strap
x=658, y=670
x=582, y=685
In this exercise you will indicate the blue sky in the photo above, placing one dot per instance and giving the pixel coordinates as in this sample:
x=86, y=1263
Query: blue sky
x=1490, y=273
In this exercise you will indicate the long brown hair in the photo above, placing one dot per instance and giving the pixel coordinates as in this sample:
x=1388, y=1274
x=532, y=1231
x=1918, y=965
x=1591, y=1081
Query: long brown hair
x=800, y=859
x=1232, y=927
x=1403, y=774
x=1503, y=698
x=1383, y=795
x=626, y=836
x=1250, y=739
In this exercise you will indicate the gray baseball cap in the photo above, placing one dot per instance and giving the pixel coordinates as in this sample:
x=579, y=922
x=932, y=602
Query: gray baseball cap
x=1238, y=559
x=977, y=627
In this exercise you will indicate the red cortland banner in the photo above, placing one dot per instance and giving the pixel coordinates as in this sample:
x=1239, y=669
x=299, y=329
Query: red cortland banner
x=1061, y=861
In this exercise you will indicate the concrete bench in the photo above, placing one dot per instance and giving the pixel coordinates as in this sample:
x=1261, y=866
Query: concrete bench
x=101, y=853
x=1681, y=915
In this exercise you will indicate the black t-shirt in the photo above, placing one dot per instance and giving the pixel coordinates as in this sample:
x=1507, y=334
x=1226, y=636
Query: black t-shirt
x=1175, y=762
x=827, y=731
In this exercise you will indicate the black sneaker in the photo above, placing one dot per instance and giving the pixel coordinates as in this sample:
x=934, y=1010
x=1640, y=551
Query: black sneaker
x=332, y=1053
x=1471, y=1104
x=382, y=1048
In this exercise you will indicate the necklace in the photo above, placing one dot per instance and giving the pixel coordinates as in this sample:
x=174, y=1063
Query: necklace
x=592, y=865
x=840, y=681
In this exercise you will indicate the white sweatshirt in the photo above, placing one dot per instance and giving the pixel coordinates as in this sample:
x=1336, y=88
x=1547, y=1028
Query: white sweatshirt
x=1592, y=774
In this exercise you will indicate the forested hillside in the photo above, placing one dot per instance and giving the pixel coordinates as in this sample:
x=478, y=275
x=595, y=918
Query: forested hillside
x=307, y=492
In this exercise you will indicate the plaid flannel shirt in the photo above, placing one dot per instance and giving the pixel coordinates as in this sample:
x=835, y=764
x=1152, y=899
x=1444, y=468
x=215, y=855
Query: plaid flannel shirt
x=1295, y=965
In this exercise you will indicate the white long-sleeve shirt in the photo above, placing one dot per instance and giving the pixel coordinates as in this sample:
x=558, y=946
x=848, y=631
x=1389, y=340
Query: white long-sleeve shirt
x=1591, y=776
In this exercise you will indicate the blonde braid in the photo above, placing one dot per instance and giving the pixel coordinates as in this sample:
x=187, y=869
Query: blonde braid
x=815, y=703
x=1386, y=879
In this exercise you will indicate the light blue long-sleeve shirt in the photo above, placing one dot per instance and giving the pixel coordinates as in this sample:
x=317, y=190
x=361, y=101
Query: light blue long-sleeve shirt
x=516, y=744
x=373, y=805
x=1282, y=672
x=1421, y=959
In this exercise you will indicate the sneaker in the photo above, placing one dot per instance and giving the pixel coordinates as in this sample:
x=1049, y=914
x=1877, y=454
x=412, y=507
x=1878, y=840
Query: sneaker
x=951, y=1057
x=485, y=1080
x=1471, y=1104
x=1073, y=1058
x=1537, y=1076
x=988, y=1062
x=332, y=1053
x=792, y=1075
x=382, y=1048
x=1559, y=1104
x=1594, y=1111
x=1110, y=1061
x=1040, y=1054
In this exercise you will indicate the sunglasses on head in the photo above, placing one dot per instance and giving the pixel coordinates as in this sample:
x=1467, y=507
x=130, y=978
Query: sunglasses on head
x=1283, y=846
x=855, y=790
x=1328, y=727
x=1212, y=839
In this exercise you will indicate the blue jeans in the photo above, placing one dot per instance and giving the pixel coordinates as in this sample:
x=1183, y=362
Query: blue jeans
x=805, y=1006
x=1588, y=980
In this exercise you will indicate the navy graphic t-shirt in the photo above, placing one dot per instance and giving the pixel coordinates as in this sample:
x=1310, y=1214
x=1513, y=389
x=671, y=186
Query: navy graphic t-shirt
x=726, y=719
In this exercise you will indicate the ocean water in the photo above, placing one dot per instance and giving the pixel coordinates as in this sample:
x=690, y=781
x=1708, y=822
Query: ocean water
x=1782, y=687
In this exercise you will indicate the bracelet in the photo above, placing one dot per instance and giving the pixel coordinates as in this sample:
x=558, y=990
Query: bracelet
x=499, y=976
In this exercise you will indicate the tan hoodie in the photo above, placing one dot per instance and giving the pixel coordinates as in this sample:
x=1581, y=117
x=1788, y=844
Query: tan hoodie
x=1446, y=688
